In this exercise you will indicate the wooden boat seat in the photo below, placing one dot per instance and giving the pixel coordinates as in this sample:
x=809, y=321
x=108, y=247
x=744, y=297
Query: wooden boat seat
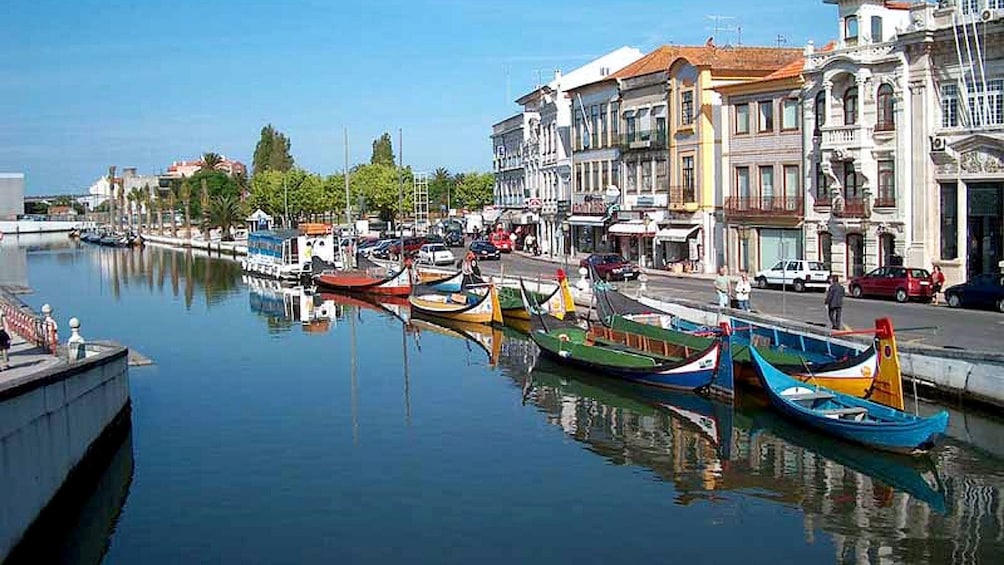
x=616, y=345
x=844, y=412
x=809, y=396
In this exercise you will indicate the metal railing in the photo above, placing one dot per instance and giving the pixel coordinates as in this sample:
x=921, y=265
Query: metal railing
x=853, y=207
x=686, y=194
x=787, y=206
x=643, y=139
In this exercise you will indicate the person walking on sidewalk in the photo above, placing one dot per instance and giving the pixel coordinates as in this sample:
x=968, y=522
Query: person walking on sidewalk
x=722, y=285
x=743, y=290
x=834, y=301
x=4, y=346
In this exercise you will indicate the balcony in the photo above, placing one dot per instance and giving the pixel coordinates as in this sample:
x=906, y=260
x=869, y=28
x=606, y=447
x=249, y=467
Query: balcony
x=852, y=208
x=683, y=197
x=648, y=139
x=782, y=207
x=885, y=201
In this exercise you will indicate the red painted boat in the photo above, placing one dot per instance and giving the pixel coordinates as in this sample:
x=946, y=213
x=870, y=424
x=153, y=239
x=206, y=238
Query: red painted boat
x=368, y=281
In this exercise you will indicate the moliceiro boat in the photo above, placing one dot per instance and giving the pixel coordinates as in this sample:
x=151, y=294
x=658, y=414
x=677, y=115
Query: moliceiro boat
x=844, y=416
x=644, y=361
x=289, y=254
x=480, y=306
x=559, y=303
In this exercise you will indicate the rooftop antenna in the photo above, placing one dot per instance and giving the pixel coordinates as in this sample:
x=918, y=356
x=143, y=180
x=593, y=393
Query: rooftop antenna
x=722, y=24
x=781, y=40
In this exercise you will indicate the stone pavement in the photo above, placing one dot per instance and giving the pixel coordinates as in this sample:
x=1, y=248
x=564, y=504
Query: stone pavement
x=25, y=360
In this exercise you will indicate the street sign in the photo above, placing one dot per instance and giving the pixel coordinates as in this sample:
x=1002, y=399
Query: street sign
x=533, y=203
x=564, y=207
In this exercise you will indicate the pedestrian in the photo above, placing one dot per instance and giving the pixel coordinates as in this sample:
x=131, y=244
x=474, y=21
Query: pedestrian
x=722, y=286
x=4, y=346
x=743, y=290
x=937, y=281
x=834, y=301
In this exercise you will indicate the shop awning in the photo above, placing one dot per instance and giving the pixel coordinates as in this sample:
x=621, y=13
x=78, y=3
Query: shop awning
x=587, y=220
x=677, y=234
x=634, y=227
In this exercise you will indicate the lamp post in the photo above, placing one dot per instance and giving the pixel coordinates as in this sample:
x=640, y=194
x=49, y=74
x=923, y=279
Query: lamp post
x=565, y=230
x=645, y=220
x=744, y=237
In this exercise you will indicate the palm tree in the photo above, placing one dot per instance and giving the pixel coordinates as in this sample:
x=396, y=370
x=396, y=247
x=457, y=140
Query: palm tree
x=211, y=160
x=135, y=198
x=172, y=205
x=148, y=202
x=243, y=188
x=121, y=203
x=204, y=204
x=111, y=196
x=186, y=201
x=225, y=212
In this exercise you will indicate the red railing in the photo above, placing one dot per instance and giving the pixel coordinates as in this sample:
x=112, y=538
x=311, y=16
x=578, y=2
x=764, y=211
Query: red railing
x=885, y=201
x=30, y=326
x=748, y=206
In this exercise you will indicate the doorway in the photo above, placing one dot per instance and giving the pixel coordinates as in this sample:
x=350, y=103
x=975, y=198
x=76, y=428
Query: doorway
x=855, y=255
x=887, y=250
x=985, y=217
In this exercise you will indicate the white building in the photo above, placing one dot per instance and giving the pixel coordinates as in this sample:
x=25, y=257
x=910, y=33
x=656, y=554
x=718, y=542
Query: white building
x=11, y=195
x=858, y=130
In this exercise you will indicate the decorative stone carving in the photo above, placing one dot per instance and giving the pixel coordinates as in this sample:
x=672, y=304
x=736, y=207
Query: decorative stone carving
x=982, y=160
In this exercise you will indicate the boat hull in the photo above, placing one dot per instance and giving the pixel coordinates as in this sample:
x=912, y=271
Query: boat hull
x=398, y=284
x=486, y=310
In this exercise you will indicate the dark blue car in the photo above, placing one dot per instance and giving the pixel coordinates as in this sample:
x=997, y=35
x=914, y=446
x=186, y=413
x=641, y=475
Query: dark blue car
x=982, y=291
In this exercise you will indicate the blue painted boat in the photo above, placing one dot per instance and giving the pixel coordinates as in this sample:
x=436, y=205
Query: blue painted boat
x=844, y=416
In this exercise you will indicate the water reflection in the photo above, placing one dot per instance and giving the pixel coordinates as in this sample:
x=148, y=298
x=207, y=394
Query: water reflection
x=877, y=507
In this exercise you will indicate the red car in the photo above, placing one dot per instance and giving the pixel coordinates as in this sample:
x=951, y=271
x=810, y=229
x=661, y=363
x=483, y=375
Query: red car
x=901, y=283
x=502, y=241
x=610, y=266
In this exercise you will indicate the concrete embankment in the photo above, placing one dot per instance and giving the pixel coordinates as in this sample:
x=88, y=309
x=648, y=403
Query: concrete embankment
x=15, y=227
x=959, y=374
x=231, y=248
x=51, y=418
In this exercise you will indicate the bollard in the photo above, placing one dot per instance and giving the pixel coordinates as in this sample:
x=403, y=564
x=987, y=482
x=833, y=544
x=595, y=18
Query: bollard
x=50, y=331
x=75, y=349
x=643, y=287
x=582, y=284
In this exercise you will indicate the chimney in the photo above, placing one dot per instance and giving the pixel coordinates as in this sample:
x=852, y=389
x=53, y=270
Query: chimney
x=810, y=48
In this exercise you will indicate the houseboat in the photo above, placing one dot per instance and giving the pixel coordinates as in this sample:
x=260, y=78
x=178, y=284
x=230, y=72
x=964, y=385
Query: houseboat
x=287, y=254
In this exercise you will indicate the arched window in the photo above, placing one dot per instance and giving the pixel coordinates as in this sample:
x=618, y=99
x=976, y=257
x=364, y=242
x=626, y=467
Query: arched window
x=820, y=110
x=851, y=30
x=850, y=181
x=884, y=100
x=851, y=106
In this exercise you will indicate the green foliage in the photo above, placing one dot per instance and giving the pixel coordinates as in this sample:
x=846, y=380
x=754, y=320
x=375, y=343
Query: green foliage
x=272, y=152
x=383, y=151
x=225, y=212
x=379, y=187
x=217, y=183
x=210, y=160
x=474, y=190
x=441, y=188
x=306, y=193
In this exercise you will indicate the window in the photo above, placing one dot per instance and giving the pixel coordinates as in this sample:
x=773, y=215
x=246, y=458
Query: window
x=851, y=30
x=850, y=182
x=660, y=130
x=851, y=106
x=792, y=185
x=581, y=131
x=820, y=110
x=578, y=179
x=615, y=119
x=886, y=184
x=766, y=116
x=822, y=186
x=604, y=125
x=877, y=29
x=789, y=114
x=970, y=6
x=949, y=106
x=826, y=249
x=632, y=128
x=742, y=118
x=687, y=108
x=595, y=129
x=949, y=221
x=743, y=182
x=687, y=178
x=884, y=101
x=986, y=104
x=767, y=182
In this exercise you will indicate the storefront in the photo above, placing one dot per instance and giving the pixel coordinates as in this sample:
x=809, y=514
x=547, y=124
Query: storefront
x=678, y=247
x=634, y=240
x=589, y=234
x=777, y=244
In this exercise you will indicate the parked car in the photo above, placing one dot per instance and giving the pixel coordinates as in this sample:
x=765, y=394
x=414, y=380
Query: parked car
x=610, y=266
x=381, y=250
x=411, y=245
x=435, y=254
x=484, y=250
x=981, y=291
x=501, y=240
x=454, y=238
x=798, y=274
x=901, y=283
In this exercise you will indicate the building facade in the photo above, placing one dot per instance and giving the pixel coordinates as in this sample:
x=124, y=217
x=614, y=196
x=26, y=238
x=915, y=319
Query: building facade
x=11, y=195
x=762, y=169
x=857, y=133
x=509, y=141
x=955, y=86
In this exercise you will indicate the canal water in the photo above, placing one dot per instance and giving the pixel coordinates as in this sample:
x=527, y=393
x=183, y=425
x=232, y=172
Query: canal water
x=276, y=427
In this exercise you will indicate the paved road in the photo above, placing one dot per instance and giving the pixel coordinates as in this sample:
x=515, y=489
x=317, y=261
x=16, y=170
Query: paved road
x=962, y=329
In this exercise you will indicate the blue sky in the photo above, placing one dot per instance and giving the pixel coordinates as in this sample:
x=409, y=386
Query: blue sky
x=91, y=83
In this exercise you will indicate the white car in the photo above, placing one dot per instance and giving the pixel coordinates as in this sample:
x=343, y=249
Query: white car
x=799, y=275
x=435, y=254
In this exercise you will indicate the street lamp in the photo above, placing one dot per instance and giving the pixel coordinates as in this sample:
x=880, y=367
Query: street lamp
x=565, y=231
x=744, y=237
x=645, y=220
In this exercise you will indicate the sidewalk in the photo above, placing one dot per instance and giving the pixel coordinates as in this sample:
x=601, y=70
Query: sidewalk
x=573, y=265
x=25, y=360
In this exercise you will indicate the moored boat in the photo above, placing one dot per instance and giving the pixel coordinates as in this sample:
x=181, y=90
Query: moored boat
x=847, y=417
x=488, y=338
x=479, y=306
x=559, y=303
x=367, y=280
x=289, y=254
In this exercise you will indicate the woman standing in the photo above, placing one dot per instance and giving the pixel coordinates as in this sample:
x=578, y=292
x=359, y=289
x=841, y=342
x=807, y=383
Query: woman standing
x=937, y=281
x=743, y=290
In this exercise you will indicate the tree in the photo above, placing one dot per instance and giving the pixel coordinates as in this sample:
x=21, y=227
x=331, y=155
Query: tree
x=441, y=187
x=111, y=196
x=243, y=186
x=148, y=202
x=186, y=201
x=135, y=198
x=474, y=190
x=225, y=212
x=383, y=151
x=272, y=152
x=378, y=185
x=172, y=206
x=217, y=183
x=204, y=205
x=210, y=161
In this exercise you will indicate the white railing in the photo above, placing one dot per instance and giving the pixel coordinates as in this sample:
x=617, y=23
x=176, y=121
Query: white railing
x=843, y=136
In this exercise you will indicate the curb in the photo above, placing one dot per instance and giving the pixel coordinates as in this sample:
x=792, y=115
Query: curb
x=649, y=272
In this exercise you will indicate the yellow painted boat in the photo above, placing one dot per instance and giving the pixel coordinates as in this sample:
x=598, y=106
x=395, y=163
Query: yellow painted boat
x=460, y=306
